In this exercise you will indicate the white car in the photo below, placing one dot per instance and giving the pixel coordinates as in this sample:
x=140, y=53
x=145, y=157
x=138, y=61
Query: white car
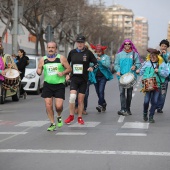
x=32, y=82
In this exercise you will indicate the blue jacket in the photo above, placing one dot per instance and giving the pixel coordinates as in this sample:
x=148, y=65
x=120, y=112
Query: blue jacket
x=124, y=61
x=104, y=67
x=148, y=71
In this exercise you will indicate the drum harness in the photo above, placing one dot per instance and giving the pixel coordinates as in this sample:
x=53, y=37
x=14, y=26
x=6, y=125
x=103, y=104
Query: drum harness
x=163, y=86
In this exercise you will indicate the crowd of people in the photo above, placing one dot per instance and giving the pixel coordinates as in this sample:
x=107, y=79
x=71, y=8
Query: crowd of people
x=87, y=65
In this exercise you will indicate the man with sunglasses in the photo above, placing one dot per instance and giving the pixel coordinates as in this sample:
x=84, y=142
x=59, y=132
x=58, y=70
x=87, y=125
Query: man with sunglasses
x=127, y=60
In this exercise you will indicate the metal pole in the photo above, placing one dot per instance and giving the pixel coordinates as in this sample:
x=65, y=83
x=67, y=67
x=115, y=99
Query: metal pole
x=15, y=28
x=78, y=19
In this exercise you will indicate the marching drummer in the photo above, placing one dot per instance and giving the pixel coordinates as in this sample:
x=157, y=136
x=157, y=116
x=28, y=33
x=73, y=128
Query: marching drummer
x=127, y=60
x=155, y=67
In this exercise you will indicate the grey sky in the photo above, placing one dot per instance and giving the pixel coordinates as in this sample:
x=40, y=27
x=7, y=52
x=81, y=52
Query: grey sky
x=156, y=11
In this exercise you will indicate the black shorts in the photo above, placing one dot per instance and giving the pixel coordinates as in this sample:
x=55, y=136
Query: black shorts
x=53, y=90
x=79, y=84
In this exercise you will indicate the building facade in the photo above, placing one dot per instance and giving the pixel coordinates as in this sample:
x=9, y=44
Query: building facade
x=140, y=34
x=121, y=18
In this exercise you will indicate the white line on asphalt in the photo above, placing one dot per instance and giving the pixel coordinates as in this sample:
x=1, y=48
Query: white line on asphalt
x=136, y=125
x=87, y=152
x=135, y=89
x=121, y=119
x=13, y=133
x=71, y=133
x=133, y=94
x=25, y=130
x=131, y=134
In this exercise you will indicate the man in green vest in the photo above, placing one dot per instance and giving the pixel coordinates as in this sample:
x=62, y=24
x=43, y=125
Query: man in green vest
x=55, y=67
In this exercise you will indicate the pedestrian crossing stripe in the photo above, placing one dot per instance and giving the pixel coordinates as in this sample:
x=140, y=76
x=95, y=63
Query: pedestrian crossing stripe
x=135, y=125
x=131, y=134
x=33, y=123
x=13, y=133
x=86, y=124
x=71, y=133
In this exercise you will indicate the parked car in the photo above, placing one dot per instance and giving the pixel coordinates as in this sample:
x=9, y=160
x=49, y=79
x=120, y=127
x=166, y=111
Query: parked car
x=32, y=82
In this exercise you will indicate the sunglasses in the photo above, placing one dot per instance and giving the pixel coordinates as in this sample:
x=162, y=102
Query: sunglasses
x=127, y=43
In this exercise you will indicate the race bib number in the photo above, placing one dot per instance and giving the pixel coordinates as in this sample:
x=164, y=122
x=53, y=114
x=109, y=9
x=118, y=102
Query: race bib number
x=52, y=70
x=78, y=69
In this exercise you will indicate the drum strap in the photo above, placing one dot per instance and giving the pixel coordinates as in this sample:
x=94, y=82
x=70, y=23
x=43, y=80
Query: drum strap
x=156, y=73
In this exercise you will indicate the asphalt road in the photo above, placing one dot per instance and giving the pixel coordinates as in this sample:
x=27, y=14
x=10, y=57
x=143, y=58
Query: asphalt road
x=106, y=141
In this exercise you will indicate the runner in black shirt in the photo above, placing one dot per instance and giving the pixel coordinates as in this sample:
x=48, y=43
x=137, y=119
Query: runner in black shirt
x=79, y=58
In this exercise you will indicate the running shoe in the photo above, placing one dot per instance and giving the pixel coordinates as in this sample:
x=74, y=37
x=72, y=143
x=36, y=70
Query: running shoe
x=80, y=121
x=69, y=119
x=60, y=122
x=122, y=112
x=145, y=117
x=99, y=108
x=52, y=127
x=151, y=120
x=104, y=107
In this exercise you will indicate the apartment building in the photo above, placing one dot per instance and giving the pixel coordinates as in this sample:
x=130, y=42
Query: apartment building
x=121, y=18
x=168, y=35
x=140, y=36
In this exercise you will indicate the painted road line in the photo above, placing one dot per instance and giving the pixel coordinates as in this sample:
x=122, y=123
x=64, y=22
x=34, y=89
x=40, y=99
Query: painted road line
x=121, y=119
x=131, y=134
x=135, y=89
x=70, y=133
x=86, y=124
x=87, y=152
x=133, y=94
x=136, y=125
x=33, y=123
x=13, y=133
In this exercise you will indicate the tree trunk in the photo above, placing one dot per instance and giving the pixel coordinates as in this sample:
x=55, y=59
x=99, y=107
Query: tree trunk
x=42, y=44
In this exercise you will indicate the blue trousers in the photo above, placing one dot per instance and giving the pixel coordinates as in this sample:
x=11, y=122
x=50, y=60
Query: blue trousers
x=100, y=89
x=162, y=97
x=150, y=97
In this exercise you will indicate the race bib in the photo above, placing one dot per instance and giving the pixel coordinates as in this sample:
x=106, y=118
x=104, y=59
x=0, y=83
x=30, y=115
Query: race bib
x=78, y=69
x=52, y=70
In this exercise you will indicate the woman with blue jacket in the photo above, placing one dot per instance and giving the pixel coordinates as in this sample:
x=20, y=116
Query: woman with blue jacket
x=154, y=67
x=102, y=75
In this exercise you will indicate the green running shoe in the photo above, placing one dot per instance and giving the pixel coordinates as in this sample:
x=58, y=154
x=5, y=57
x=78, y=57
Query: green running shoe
x=52, y=127
x=60, y=122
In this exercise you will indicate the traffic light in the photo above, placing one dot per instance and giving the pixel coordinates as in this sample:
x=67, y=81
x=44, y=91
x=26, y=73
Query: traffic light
x=49, y=33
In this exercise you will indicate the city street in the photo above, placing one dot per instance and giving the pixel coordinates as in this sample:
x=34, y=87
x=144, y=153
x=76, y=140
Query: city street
x=107, y=141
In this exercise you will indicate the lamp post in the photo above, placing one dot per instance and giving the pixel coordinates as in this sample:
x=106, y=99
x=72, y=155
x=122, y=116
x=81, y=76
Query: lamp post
x=15, y=28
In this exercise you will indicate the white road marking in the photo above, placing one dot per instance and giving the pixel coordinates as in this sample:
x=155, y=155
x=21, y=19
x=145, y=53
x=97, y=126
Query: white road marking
x=135, y=89
x=131, y=134
x=13, y=133
x=33, y=123
x=137, y=85
x=71, y=133
x=86, y=124
x=136, y=125
x=121, y=119
x=87, y=152
x=133, y=94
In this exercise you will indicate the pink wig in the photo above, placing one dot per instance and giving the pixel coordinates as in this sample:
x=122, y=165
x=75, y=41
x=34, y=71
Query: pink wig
x=132, y=46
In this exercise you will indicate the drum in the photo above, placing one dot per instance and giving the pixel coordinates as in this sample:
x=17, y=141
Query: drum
x=149, y=84
x=11, y=78
x=127, y=80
